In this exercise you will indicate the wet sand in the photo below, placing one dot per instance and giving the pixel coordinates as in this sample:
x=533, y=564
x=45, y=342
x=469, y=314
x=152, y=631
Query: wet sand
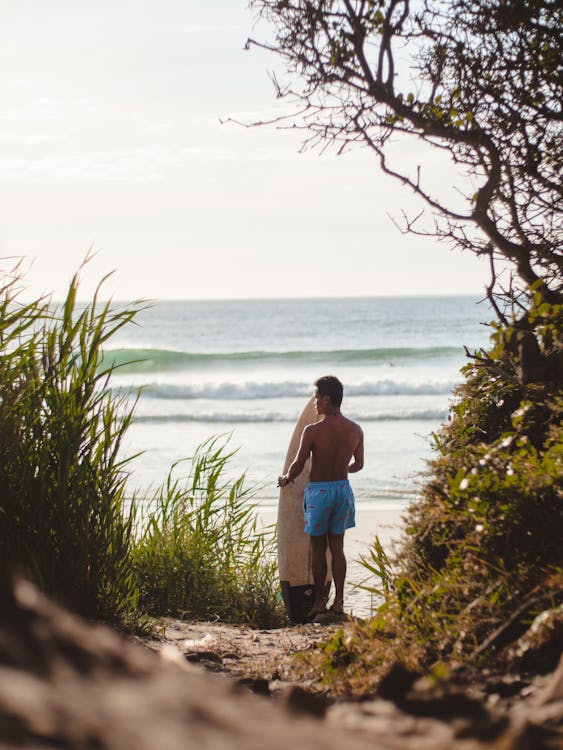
x=387, y=525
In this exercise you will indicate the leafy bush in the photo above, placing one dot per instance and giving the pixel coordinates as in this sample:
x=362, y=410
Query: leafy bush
x=493, y=495
x=200, y=553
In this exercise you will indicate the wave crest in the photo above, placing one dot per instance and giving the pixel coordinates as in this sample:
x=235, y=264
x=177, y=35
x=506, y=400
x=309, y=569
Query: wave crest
x=433, y=415
x=161, y=360
x=247, y=391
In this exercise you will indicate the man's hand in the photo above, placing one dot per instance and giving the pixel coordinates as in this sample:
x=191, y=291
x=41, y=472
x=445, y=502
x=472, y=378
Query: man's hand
x=284, y=480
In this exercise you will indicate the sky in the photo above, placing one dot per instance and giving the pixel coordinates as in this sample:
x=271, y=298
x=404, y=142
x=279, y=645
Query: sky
x=112, y=142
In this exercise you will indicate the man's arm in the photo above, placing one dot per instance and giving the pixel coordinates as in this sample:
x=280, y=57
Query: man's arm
x=358, y=462
x=301, y=457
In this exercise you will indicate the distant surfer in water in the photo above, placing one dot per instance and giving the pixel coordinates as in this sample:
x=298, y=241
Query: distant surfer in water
x=336, y=447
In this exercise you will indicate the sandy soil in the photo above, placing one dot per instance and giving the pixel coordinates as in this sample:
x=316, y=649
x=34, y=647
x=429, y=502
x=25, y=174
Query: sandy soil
x=493, y=710
x=496, y=711
x=239, y=652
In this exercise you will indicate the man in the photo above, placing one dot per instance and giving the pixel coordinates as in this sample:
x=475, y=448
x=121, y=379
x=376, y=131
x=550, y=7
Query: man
x=336, y=447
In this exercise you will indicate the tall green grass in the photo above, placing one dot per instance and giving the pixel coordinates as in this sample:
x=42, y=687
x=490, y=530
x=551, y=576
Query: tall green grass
x=194, y=549
x=200, y=551
x=62, y=482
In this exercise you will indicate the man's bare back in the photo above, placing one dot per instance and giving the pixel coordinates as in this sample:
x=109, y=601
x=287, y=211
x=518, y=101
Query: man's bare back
x=333, y=442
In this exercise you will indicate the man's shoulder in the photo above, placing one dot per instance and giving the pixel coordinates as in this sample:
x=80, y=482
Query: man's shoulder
x=353, y=426
x=309, y=429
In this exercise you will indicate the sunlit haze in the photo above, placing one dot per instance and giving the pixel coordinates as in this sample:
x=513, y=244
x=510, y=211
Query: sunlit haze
x=111, y=140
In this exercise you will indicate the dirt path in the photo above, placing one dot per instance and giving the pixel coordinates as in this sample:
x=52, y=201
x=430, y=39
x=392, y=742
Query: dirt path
x=264, y=659
x=500, y=711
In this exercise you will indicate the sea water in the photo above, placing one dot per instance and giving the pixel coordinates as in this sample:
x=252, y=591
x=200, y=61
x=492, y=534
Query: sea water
x=245, y=369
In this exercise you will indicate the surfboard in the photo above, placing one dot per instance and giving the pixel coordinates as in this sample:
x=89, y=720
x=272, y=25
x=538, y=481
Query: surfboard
x=294, y=545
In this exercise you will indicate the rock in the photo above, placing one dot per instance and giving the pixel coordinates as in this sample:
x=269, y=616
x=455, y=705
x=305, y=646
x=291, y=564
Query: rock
x=331, y=618
x=205, y=656
x=506, y=686
x=546, y=709
x=553, y=691
x=538, y=726
x=396, y=682
x=382, y=720
x=302, y=701
x=66, y=683
x=540, y=646
x=467, y=716
x=257, y=685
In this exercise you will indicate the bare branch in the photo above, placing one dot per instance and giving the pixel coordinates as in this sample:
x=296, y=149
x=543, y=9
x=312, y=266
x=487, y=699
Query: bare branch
x=488, y=93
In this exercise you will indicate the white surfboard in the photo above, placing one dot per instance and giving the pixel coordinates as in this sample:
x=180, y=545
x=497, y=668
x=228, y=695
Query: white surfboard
x=294, y=545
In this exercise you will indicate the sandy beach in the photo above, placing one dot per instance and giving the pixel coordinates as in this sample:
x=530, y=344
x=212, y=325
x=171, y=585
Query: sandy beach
x=384, y=523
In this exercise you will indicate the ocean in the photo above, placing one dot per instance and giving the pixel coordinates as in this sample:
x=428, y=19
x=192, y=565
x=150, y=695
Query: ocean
x=244, y=369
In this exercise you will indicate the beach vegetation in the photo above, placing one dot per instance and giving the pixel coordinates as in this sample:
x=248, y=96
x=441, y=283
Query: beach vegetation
x=62, y=480
x=66, y=520
x=200, y=552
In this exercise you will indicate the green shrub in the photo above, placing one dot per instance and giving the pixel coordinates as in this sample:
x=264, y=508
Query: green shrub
x=65, y=520
x=494, y=488
x=486, y=534
x=200, y=553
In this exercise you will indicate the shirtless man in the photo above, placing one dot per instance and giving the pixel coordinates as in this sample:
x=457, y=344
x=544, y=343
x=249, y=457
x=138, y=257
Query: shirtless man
x=336, y=447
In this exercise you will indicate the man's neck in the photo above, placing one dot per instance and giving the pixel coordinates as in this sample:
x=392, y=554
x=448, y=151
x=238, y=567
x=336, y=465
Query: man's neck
x=331, y=413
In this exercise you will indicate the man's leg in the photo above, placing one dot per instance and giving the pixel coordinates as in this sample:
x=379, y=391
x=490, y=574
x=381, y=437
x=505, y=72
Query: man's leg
x=336, y=543
x=318, y=566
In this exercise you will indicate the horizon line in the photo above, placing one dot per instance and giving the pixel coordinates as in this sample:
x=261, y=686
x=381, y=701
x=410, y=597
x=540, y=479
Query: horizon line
x=480, y=296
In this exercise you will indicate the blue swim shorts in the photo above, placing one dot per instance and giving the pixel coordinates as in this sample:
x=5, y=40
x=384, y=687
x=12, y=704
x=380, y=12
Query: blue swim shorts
x=328, y=507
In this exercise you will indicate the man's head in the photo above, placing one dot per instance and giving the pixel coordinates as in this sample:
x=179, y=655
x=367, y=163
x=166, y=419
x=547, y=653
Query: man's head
x=329, y=390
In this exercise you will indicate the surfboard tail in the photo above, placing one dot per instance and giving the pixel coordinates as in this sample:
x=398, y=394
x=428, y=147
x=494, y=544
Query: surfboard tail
x=299, y=600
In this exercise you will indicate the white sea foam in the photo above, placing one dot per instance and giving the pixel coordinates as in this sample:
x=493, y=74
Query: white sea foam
x=262, y=417
x=250, y=390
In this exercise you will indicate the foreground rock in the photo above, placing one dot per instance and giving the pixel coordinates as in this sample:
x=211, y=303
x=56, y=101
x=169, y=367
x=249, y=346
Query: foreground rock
x=68, y=684
x=497, y=710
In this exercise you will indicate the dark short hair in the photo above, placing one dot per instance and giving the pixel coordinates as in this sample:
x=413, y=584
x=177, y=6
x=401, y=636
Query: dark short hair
x=330, y=386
